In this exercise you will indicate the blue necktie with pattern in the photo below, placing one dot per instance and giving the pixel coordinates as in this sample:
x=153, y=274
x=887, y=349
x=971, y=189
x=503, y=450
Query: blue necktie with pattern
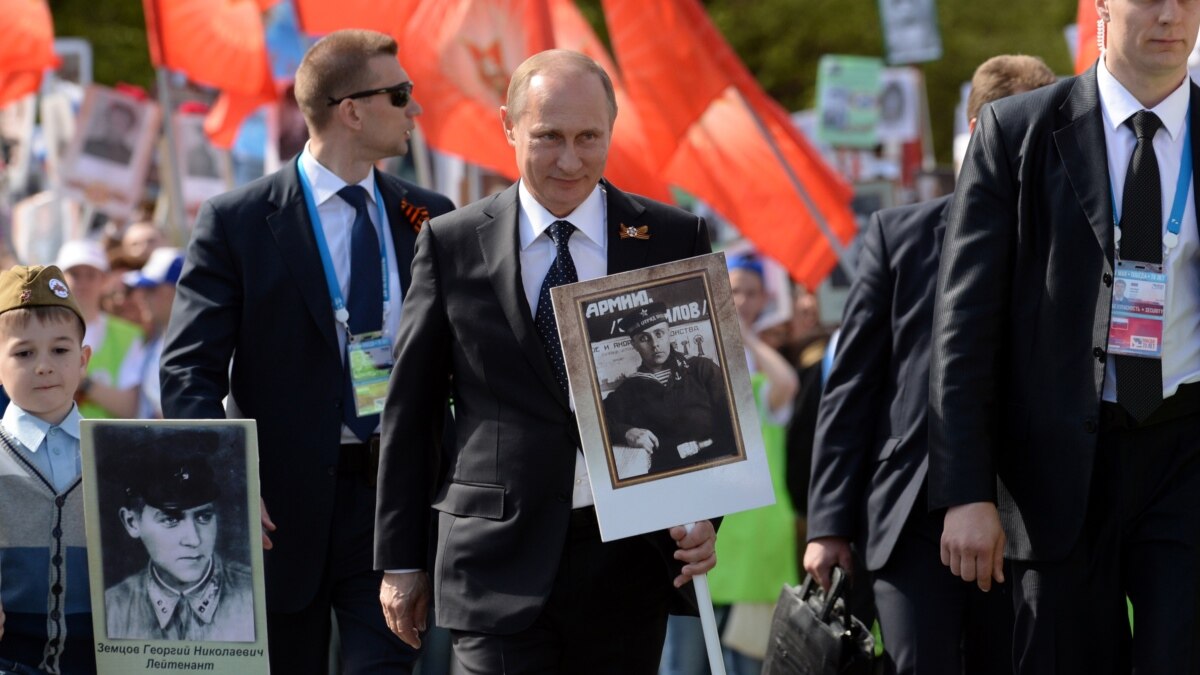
x=562, y=271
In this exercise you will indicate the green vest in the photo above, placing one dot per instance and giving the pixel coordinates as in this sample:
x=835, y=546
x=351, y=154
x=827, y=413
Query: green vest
x=756, y=550
x=105, y=366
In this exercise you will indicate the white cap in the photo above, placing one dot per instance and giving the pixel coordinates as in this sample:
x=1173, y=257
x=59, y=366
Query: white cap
x=81, y=252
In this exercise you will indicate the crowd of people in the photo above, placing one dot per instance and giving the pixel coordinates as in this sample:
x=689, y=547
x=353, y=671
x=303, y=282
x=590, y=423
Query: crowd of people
x=998, y=445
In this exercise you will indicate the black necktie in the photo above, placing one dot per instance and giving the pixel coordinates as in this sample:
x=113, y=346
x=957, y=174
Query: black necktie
x=365, y=299
x=1139, y=380
x=562, y=271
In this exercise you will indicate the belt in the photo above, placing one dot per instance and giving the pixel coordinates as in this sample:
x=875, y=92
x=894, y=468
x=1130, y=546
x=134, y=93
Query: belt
x=360, y=459
x=1185, y=403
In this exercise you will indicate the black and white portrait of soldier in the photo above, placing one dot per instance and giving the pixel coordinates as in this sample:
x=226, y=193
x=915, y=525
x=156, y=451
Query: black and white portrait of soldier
x=674, y=406
x=182, y=587
x=112, y=133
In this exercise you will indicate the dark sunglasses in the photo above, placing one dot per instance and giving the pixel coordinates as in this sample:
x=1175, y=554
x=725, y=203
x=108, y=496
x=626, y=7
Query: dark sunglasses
x=401, y=94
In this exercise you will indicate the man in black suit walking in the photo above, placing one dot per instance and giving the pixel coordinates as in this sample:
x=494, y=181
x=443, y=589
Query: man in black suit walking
x=1086, y=412
x=521, y=578
x=296, y=276
x=871, y=451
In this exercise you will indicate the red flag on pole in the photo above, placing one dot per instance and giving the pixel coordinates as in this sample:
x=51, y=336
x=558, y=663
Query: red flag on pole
x=460, y=55
x=26, y=47
x=1088, y=50
x=712, y=131
x=219, y=44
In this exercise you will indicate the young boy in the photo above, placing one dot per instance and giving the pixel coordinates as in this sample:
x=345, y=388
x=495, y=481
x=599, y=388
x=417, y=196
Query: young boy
x=44, y=603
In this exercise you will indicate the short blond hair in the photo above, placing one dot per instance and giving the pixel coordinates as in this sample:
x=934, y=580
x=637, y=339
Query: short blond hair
x=1005, y=75
x=16, y=320
x=337, y=66
x=555, y=61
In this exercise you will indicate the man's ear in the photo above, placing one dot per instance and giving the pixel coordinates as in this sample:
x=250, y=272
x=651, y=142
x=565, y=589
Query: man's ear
x=508, y=126
x=129, y=519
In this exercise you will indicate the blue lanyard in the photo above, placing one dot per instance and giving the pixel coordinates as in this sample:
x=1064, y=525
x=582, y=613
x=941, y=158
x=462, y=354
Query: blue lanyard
x=1171, y=238
x=335, y=290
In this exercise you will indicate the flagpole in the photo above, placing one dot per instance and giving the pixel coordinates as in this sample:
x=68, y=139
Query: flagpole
x=834, y=243
x=176, y=218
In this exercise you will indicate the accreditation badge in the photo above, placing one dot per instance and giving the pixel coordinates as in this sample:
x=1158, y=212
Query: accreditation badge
x=370, y=357
x=1139, y=296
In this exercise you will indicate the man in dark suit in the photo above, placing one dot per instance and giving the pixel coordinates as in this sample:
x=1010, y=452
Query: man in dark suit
x=871, y=453
x=1063, y=192
x=255, y=288
x=521, y=577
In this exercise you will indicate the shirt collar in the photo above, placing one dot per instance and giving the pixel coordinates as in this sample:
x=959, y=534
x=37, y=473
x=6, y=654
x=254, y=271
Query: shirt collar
x=202, y=597
x=1119, y=105
x=325, y=183
x=30, y=430
x=589, y=217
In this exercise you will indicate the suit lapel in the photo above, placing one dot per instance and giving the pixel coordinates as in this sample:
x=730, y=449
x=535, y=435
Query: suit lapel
x=404, y=239
x=501, y=245
x=1081, y=145
x=293, y=234
x=625, y=252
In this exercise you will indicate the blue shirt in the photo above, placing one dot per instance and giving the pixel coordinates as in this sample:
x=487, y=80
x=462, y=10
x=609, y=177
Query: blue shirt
x=52, y=449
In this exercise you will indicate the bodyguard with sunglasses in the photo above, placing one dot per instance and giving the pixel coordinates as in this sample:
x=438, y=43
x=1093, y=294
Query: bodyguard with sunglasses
x=295, y=277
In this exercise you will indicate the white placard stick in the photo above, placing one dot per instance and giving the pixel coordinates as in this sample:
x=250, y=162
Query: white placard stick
x=708, y=620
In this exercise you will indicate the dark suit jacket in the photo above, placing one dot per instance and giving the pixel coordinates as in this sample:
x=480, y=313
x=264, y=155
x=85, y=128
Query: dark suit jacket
x=1022, y=313
x=253, y=288
x=871, y=450
x=505, y=499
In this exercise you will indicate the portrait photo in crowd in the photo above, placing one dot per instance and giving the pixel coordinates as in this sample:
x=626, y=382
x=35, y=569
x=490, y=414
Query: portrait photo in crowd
x=662, y=393
x=910, y=31
x=110, y=153
x=902, y=107
x=204, y=170
x=174, y=547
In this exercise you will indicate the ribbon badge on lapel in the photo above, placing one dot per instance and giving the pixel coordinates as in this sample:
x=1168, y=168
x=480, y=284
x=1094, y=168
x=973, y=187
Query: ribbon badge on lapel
x=417, y=215
x=631, y=232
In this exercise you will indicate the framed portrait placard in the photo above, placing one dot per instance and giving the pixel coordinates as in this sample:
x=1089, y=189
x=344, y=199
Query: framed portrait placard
x=174, y=545
x=108, y=157
x=666, y=414
x=204, y=170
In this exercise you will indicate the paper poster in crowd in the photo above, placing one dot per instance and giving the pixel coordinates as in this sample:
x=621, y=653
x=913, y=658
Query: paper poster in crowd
x=847, y=105
x=901, y=105
x=667, y=419
x=910, y=31
x=109, y=156
x=205, y=171
x=174, y=553
x=16, y=142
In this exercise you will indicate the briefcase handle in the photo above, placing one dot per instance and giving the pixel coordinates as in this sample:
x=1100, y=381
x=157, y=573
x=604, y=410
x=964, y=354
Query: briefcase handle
x=836, y=589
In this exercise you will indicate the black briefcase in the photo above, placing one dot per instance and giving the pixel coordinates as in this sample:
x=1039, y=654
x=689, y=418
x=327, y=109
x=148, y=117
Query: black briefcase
x=815, y=634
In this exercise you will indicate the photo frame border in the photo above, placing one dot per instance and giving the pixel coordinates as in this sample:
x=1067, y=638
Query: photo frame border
x=670, y=498
x=137, y=655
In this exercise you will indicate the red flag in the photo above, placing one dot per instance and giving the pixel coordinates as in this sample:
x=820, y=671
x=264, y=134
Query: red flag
x=461, y=54
x=219, y=44
x=716, y=134
x=1087, y=49
x=26, y=47
x=320, y=17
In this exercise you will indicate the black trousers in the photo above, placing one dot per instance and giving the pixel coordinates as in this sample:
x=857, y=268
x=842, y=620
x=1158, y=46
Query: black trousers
x=299, y=642
x=607, y=613
x=934, y=623
x=1141, y=539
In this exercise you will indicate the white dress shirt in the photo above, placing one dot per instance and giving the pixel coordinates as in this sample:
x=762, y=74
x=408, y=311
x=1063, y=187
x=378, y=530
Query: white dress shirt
x=337, y=218
x=1181, y=329
x=589, y=250
x=52, y=448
